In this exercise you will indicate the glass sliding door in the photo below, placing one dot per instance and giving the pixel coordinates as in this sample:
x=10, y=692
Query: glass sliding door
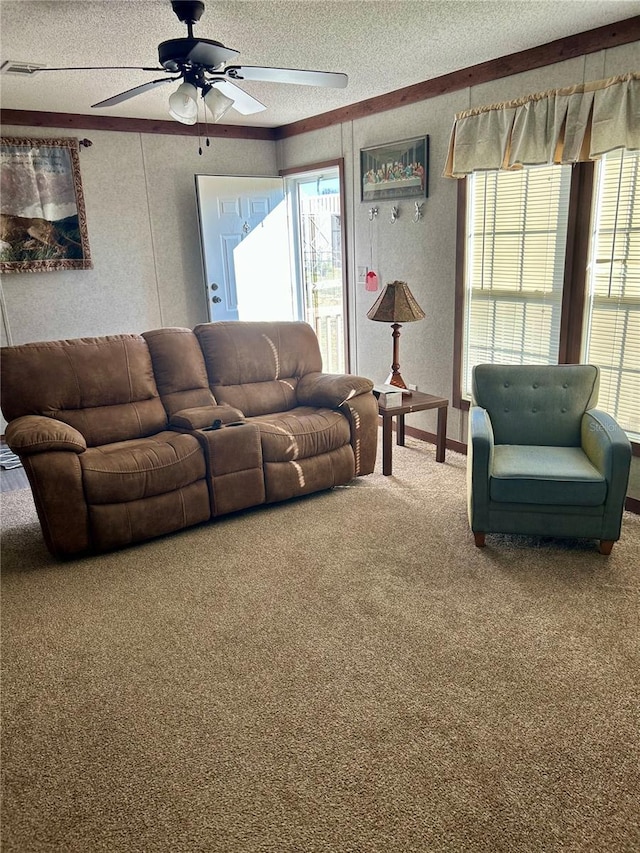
x=315, y=201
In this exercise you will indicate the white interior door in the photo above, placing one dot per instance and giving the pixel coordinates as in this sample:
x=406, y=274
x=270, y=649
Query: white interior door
x=245, y=247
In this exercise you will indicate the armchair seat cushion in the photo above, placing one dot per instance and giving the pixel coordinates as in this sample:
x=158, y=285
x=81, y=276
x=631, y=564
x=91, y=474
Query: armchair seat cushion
x=140, y=468
x=561, y=476
x=300, y=433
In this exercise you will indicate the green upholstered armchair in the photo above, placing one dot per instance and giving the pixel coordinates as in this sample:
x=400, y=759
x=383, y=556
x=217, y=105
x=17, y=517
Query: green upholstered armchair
x=541, y=460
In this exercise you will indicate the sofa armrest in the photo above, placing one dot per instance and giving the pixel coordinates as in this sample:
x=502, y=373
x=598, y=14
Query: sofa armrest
x=31, y=434
x=331, y=389
x=609, y=450
x=362, y=413
x=479, y=464
x=204, y=416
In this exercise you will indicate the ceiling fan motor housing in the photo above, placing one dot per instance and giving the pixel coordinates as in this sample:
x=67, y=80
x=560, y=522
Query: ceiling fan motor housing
x=188, y=11
x=176, y=53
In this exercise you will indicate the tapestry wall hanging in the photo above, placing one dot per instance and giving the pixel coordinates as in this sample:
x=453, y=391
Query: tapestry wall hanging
x=43, y=224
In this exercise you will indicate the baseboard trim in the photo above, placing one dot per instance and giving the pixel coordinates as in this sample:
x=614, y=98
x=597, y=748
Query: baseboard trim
x=431, y=438
x=632, y=505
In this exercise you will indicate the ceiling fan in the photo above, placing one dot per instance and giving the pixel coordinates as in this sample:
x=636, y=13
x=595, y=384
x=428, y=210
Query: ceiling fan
x=202, y=66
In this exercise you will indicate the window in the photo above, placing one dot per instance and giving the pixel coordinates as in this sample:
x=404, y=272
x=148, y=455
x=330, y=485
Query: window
x=539, y=281
x=612, y=319
x=516, y=239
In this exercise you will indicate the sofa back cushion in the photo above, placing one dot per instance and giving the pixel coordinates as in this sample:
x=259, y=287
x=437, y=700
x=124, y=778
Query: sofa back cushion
x=104, y=387
x=536, y=404
x=255, y=367
x=178, y=365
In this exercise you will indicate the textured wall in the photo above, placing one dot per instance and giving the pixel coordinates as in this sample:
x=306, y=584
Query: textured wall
x=142, y=217
x=422, y=254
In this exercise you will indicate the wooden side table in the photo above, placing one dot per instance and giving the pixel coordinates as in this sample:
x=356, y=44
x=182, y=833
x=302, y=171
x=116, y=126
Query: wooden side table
x=417, y=402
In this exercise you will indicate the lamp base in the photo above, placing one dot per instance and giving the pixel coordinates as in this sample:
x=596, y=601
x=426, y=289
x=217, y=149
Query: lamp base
x=394, y=378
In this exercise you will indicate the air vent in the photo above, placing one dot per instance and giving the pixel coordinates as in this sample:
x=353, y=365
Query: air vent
x=22, y=69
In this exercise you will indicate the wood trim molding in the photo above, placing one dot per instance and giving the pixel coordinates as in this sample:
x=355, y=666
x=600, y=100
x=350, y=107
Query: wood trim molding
x=34, y=118
x=632, y=505
x=314, y=167
x=429, y=437
x=432, y=438
x=575, y=273
x=591, y=41
x=458, y=324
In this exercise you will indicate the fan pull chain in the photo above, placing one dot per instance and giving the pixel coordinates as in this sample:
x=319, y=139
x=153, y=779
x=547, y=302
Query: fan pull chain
x=206, y=130
x=206, y=127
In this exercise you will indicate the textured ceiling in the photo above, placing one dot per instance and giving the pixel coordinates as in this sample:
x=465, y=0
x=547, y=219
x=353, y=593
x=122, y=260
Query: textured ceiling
x=382, y=45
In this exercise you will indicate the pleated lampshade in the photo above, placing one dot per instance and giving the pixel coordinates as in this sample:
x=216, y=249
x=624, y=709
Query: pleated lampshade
x=396, y=304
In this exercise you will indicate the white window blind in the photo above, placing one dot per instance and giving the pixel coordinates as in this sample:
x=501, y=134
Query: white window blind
x=514, y=271
x=612, y=321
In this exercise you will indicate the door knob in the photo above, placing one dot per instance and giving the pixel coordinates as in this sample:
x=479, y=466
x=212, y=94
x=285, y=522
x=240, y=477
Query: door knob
x=216, y=299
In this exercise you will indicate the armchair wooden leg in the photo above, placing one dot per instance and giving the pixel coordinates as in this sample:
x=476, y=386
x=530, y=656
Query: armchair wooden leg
x=605, y=546
x=479, y=538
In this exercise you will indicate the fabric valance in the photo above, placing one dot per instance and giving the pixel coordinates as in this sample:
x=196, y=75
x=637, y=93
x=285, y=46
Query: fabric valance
x=568, y=125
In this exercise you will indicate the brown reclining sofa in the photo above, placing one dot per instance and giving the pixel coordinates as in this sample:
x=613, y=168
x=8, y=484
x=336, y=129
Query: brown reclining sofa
x=115, y=433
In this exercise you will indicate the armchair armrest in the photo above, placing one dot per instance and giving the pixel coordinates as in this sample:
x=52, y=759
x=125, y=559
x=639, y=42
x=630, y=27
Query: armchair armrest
x=605, y=442
x=609, y=450
x=331, y=389
x=31, y=434
x=204, y=416
x=479, y=464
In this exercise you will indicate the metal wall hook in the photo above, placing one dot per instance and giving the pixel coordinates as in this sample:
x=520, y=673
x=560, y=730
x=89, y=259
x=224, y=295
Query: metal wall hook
x=395, y=213
x=373, y=211
x=417, y=216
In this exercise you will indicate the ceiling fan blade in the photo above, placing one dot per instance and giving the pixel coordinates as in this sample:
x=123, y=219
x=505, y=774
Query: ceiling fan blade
x=131, y=93
x=211, y=53
x=243, y=102
x=287, y=75
x=101, y=68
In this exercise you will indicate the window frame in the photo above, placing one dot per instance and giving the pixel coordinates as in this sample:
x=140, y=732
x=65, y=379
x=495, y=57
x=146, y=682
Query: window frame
x=574, y=293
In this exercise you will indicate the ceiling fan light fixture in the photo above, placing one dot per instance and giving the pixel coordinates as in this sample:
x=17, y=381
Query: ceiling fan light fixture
x=217, y=103
x=183, y=104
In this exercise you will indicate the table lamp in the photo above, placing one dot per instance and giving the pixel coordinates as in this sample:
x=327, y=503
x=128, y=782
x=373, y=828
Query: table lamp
x=396, y=305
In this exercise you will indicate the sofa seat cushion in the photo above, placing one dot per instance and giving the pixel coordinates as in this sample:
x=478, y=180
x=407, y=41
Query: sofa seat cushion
x=285, y=480
x=561, y=476
x=142, y=467
x=301, y=433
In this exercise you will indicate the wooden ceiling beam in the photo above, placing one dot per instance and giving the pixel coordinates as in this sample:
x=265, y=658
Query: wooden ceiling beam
x=591, y=41
x=36, y=118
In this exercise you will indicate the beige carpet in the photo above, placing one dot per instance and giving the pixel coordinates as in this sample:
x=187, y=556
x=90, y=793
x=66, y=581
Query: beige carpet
x=341, y=674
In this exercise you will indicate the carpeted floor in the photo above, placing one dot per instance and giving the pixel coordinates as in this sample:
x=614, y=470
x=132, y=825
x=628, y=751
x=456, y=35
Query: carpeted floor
x=345, y=673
